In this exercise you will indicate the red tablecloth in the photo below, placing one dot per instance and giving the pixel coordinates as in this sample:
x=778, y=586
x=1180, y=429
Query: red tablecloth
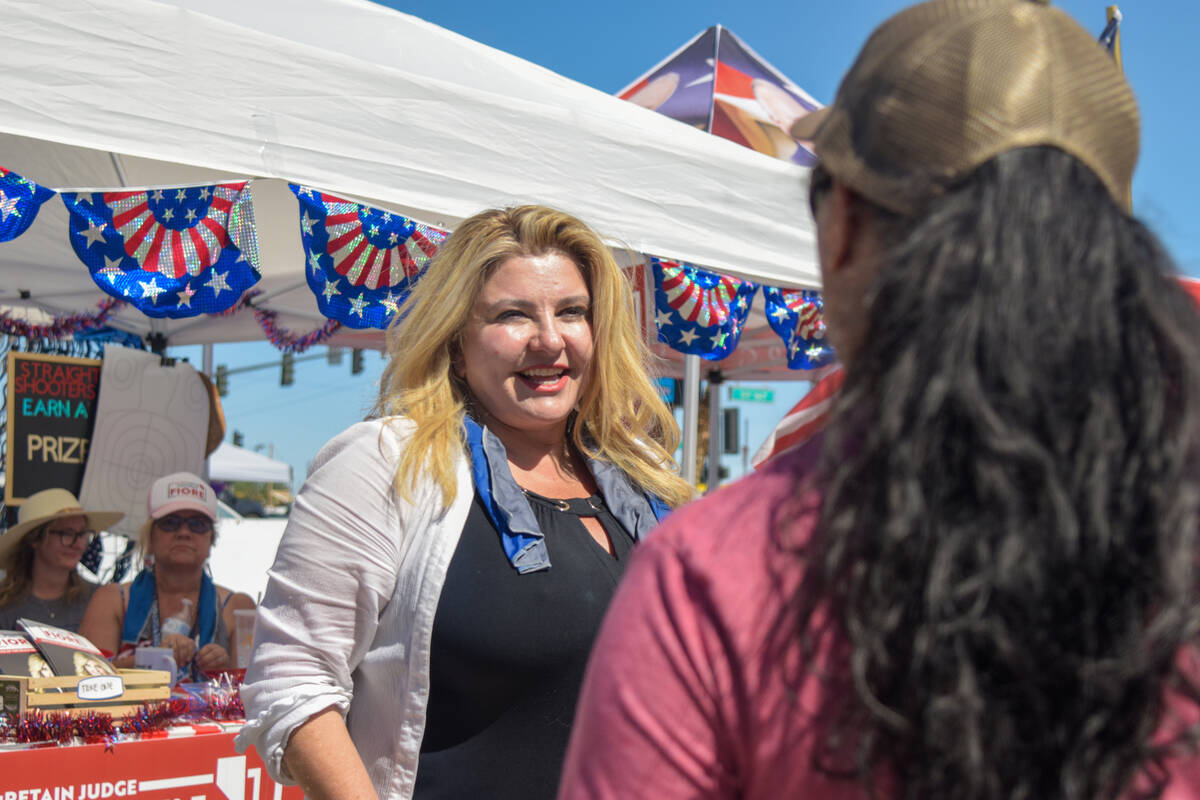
x=195, y=762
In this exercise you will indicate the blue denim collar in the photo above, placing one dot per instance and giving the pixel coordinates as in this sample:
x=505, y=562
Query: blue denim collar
x=509, y=510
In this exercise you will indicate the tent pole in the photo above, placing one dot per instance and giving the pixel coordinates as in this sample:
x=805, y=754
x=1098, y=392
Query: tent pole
x=691, y=415
x=715, y=441
x=119, y=167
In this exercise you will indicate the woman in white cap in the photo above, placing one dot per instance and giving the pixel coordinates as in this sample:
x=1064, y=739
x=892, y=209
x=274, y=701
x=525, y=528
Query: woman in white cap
x=175, y=585
x=982, y=581
x=39, y=555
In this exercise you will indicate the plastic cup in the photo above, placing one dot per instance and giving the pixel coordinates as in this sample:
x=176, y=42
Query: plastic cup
x=243, y=619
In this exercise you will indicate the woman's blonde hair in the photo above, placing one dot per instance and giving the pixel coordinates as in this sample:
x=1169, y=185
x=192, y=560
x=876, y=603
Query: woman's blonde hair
x=620, y=419
x=18, y=570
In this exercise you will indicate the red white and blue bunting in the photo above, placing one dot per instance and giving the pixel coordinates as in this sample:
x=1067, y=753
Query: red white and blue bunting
x=174, y=253
x=699, y=312
x=186, y=251
x=20, y=199
x=797, y=316
x=362, y=261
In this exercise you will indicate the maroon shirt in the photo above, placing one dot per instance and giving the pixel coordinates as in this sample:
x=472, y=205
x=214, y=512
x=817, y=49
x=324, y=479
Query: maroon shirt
x=688, y=693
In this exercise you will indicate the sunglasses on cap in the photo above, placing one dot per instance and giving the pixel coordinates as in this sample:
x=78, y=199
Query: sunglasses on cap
x=172, y=523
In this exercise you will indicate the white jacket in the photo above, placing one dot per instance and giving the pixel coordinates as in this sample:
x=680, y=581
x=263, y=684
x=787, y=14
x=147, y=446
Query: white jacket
x=347, y=617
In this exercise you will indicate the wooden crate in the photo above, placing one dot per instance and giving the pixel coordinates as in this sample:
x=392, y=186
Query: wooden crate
x=19, y=694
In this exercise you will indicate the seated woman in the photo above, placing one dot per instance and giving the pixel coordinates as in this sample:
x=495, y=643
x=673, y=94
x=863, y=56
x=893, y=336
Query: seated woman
x=176, y=540
x=39, y=555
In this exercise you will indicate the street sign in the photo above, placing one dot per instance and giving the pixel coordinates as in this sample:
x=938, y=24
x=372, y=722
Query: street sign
x=751, y=395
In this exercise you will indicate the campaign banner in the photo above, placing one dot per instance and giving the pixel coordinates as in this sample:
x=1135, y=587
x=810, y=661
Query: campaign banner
x=51, y=411
x=199, y=767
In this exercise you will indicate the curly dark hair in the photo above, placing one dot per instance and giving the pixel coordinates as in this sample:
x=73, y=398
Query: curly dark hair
x=1007, y=541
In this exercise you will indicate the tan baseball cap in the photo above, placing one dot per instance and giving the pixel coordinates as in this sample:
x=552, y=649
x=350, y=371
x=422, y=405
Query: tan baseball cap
x=946, y=85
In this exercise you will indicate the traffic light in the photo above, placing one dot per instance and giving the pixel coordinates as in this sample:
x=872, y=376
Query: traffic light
x=238, y=439
x=356, y=361
x=334, y=356
x=731, y=431
x=287, y=370
x=222, y=380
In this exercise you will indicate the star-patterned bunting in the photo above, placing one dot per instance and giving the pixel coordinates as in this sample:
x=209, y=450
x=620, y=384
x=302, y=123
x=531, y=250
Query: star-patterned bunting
x=171, y=253
x=699, y=312
x=361, y=261
x=796, y=315
x=20, y=200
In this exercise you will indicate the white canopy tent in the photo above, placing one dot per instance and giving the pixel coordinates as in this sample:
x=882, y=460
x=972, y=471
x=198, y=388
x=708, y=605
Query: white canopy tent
x=372, y=104
x=360, y=100
x=232, y=463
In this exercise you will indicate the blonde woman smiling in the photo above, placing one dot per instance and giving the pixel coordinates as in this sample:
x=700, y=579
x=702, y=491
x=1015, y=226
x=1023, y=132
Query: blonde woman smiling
x=446, y=565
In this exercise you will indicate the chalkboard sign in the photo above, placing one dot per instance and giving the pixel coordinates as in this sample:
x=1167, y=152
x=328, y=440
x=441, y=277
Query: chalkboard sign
x=51, y=410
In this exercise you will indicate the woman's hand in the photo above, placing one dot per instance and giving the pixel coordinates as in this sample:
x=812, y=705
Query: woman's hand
x=212, y=657
x=184, y=647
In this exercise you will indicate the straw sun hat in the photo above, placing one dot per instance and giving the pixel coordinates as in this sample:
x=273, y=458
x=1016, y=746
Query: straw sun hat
x=52, y=504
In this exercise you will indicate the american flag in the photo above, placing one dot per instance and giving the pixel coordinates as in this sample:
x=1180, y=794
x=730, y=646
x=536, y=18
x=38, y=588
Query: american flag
x=1111, y=34
x=806, y=419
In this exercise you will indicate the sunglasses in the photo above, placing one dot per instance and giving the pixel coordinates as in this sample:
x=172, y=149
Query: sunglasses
x=194, y=524
x=69, y=538
x=820, y=181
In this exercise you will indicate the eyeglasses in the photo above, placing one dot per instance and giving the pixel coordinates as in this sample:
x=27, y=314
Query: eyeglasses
x=69, y=538
x=194, y=524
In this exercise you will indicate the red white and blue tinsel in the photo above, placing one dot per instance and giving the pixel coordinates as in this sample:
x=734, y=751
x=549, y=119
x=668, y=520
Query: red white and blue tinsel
x=796, y=315
x=699, y=312
x=20, y=199
x=172, y=253
x=362, y=261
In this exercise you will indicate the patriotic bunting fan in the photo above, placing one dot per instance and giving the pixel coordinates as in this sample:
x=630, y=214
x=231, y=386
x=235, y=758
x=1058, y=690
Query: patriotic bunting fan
x=796, y=315
x=362, y=261
x=699, y=312
x=20, y=200
x=174, y=253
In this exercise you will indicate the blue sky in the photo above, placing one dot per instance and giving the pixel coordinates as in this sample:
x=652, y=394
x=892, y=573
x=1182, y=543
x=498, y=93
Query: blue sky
x=607, y=45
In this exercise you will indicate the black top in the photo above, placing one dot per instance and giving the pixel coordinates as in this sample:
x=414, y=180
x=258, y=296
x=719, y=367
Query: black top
x=508, y=655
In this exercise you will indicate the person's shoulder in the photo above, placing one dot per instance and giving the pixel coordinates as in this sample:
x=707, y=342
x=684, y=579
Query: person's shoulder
x=370, y=440
x=234, y=601
x=383, y=428
x=744, y=514
x=731, y=557
x=736, y=546
x=109, y=593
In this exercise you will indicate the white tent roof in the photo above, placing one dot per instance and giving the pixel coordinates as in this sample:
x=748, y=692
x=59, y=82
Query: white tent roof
x=232, y=463
x=354, y=98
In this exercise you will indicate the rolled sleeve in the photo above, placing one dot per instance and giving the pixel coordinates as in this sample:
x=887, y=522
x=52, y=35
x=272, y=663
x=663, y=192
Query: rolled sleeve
x=334, y=572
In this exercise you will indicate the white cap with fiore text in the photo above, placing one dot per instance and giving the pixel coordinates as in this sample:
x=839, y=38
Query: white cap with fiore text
x=181, y=491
